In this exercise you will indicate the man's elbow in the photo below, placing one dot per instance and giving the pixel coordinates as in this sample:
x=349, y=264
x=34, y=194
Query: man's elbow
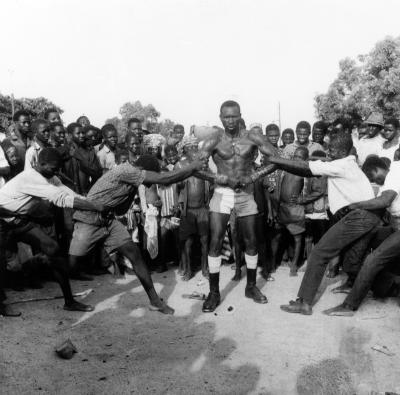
x=4, y=171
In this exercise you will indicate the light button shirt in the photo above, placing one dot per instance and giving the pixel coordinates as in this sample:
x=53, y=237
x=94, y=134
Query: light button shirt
x=106, y=158
x=32, y=155
x=347, y=184
x=22, y=194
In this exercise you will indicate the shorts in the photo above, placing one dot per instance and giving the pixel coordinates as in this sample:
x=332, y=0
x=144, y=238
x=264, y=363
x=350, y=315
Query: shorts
x=292, y=217
x=195, y=222
x=86, y=236
x=224, y=200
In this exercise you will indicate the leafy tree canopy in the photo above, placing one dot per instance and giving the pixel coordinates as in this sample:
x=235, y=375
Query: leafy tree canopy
x=370, y=83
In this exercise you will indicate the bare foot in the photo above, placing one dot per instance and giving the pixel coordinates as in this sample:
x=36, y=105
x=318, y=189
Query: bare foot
x=162, y=307
x=343, y=289
x=78, y=306
x=343, y=310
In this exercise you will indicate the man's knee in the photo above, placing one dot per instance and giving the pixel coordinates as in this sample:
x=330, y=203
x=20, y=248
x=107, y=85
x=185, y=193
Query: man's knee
x=50, y=248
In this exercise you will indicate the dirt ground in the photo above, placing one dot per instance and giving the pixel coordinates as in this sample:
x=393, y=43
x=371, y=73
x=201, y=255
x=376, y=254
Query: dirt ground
x=254, y=349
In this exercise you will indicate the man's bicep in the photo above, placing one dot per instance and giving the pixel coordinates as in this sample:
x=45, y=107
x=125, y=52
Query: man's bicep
x=329, y=169
x=134, y=176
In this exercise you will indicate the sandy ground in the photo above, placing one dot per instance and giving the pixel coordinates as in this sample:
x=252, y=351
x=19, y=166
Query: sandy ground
x=254, y=349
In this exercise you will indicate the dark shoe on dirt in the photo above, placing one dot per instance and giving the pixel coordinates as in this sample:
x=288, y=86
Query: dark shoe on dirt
x=254, y=293
x=297, y=307
x=212, y=302
x=78, y=306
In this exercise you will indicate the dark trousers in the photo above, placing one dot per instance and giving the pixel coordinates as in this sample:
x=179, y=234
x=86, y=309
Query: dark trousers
x=375, y=263
x=348, y=230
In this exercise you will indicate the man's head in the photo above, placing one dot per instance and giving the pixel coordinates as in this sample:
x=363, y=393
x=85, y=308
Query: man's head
x=376, y=169
x=49, y=162
x=76, y=131
x=171, y=154
x=110, y=135
x=91, y=134
x=40, y=129
x=319, y=154
x=178, y=132
x=57, y=133
x=149, y=163
x=22, y=120
x=256, y=127
x=287, y=136
x=11, y=153
x=375, y=124
x=273, y=134
x=301, y=153
x=341, y=125
x=390, y=129
x=303, y=130
x=340, y=146
x=121, y=156
x=83, y=120
x=319, y=132
x=52, y=115
x=230, y=116
x=135, y=127
x=190, y=146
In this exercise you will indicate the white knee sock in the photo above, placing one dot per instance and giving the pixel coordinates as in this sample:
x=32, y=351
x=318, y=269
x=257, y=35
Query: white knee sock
x=251, y=261
x=214, y=264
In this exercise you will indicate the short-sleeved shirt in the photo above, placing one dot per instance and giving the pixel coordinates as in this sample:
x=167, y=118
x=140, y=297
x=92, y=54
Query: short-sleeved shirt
x=369, y=146
x=347, y=184
x=288, y=151
x=32, y=155
x=392, y=183
x=115, y=189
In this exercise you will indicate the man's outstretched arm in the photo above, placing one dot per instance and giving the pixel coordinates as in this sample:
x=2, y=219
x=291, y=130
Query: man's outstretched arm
x=299, y=168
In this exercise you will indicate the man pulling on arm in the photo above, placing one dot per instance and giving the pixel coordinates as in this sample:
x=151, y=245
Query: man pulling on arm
x=116, y=189
x=19, y=199
x=346, y=185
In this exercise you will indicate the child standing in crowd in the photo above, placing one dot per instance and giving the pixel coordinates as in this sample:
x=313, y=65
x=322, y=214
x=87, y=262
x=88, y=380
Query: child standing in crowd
x=315, y=200
x=194, y=196
x=106, y=154
x=291, y=215
x=287, y=137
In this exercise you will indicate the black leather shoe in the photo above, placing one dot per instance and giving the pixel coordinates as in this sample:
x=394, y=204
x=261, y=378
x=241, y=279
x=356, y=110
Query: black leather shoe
x=254, y=293
x=212, y=302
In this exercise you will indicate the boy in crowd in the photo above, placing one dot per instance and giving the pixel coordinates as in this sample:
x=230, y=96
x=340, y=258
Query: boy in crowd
x=194, y=196
x=315, y=201
x=319, y=131
x=106, y=154
x=41, y=131
x=291, y=214
x=169, y=208
x=57, y=135
x=390, y=133
x=83, y=120
x=134, y=146
x=51, y=115
x=287, y=138
x=21, y=135
x=303, y=131
x=135, y=127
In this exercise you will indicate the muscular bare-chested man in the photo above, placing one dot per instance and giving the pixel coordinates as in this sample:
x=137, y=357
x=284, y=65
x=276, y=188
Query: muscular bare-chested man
x=233, y=153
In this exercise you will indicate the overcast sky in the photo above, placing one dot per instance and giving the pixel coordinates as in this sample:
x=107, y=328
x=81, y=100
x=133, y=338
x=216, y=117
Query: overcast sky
x=185, y=57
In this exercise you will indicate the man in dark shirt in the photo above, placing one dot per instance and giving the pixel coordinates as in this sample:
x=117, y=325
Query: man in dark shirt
x=116, y=189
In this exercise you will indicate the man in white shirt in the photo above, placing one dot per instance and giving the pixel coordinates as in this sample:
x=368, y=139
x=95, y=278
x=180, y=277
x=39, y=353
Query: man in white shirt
x=372, y=143
x=346, y=184
x=389, y=250
x=19, y=200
